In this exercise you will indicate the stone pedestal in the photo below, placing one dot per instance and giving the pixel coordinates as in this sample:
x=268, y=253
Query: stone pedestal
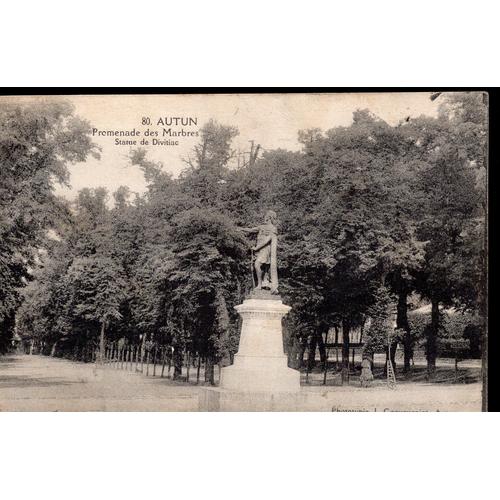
x=261, y=364
x=217, y=399
x=259, y=376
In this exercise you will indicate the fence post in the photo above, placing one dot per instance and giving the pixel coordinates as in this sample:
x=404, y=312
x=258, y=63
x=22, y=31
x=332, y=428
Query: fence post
x=307, y=366
x=154, y=362
x=163, y=354
x=325, y=368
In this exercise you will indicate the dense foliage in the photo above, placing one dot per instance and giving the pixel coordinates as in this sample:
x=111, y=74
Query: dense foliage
x=370, y=216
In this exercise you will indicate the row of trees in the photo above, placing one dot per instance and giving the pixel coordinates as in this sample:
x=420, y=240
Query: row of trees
x=37, y=142
x=370, y=215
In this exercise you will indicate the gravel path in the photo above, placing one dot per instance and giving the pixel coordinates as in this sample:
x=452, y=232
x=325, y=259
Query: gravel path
x=40, y=383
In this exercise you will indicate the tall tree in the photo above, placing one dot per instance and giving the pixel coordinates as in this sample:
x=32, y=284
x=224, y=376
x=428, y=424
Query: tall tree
x=96, y=290
x=38, y=139
x=206, y=171
x=448, y=202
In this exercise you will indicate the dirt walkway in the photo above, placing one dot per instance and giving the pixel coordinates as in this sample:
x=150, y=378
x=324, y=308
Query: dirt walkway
x=40, y=383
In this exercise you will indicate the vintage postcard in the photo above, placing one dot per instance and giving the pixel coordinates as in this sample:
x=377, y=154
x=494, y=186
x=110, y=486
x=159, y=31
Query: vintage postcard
x=315, y=251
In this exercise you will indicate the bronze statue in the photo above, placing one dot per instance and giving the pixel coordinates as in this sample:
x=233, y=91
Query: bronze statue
x=265, y=265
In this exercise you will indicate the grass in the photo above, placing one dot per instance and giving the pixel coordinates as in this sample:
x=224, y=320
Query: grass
x=445, y=374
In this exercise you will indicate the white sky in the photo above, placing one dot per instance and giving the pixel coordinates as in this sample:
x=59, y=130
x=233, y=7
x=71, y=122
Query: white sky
x=272, y=120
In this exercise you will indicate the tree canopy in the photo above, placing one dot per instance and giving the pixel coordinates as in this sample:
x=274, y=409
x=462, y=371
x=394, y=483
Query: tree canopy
x=369, y=214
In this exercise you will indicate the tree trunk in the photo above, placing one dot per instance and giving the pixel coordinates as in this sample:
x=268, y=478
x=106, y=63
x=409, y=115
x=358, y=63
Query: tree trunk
x=402, y=323
x=311, y=355
x=302, y=351
x=102, y=343
x=209, y=370
x=169, y=361
x=294, y=353
x=198, y=369
x=178, y=361
x=394, y=348
x=291, y=354
x=432, y=335
x=321, y=346
x=366, y=376
x=346, y=327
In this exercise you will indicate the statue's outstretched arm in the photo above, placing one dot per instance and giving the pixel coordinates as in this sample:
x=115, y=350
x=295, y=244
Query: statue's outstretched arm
x=249, y=229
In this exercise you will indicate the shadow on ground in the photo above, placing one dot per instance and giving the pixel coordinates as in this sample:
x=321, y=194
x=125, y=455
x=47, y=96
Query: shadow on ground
x=4, y=360
x=10, y=381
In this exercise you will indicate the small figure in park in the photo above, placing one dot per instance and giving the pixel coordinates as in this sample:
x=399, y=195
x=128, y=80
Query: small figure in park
x=366, y=377
x=265, y=265
x=122, y=342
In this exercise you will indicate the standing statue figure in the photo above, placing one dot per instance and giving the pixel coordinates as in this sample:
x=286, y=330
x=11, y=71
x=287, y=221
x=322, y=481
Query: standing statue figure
x=265, y=265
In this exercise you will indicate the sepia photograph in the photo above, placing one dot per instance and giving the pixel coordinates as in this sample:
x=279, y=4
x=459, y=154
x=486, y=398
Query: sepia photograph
x=244, y=252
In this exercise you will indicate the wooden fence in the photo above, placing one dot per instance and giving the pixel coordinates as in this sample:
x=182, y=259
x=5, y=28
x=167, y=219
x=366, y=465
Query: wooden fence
x=155, y=361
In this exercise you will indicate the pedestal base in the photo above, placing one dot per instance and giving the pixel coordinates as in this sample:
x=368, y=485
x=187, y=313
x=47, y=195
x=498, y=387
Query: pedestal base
x=260, y=366
x=260, y=375
x=217, y=399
